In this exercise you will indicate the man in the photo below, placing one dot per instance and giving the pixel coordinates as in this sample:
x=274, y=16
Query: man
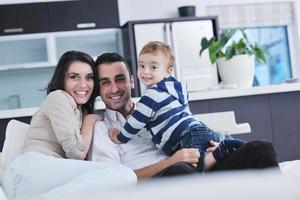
x=140, y=154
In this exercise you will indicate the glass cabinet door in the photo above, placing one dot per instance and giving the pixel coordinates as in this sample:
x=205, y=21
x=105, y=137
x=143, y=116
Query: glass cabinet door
x=23, y=88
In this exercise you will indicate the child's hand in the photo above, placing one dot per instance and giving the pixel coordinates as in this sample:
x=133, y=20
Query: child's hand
x=213, y=145
x=113, y=133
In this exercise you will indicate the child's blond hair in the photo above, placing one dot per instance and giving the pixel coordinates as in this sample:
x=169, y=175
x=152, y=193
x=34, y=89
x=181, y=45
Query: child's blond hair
x=155, y=47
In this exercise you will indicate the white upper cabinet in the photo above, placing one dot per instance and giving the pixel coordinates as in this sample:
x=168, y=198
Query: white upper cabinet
x=44, y=49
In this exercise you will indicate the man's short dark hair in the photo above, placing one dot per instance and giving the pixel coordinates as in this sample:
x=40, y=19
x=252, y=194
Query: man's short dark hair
x=108, y=58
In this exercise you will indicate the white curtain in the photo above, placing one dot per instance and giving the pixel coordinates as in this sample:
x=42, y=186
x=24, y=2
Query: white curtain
x=253, y=15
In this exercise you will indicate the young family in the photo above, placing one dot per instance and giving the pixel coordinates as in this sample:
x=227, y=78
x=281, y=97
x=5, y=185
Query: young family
x=160, y=135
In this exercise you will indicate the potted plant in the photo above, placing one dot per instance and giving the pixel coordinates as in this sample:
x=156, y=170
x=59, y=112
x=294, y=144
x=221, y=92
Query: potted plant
x=236, y=61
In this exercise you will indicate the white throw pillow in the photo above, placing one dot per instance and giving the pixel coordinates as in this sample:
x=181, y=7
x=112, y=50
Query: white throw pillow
x=15, y=135
x=290, y=168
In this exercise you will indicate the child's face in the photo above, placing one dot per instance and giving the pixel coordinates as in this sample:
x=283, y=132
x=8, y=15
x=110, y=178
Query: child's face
x=152, y=68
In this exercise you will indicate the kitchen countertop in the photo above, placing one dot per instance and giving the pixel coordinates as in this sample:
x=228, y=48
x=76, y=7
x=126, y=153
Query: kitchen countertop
x=259, y=90
x=193, y=96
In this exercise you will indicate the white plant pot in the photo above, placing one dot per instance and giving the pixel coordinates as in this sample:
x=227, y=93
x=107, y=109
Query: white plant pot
x=239, y=70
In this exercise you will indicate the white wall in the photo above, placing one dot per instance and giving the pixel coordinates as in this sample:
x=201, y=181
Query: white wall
x=154, y=9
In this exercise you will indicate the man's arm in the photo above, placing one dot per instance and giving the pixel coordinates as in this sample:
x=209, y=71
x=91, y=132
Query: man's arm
x=190, y=155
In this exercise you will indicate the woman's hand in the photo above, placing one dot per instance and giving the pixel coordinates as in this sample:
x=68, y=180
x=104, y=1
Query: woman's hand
x=190, y=155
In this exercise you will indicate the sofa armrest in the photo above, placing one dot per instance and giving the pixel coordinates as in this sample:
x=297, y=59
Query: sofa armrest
x=224, y=123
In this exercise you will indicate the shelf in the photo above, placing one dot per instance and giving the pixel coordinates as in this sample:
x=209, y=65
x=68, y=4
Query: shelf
x=21, y=66
x=21, y=52
x=23, y=88
x=92, y=42
x=44, y=50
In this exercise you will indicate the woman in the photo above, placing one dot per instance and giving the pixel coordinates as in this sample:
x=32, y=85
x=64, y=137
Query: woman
x=59, y=138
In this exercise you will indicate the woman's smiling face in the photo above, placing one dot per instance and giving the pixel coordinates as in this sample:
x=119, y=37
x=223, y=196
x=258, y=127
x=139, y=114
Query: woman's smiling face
x=79, y=82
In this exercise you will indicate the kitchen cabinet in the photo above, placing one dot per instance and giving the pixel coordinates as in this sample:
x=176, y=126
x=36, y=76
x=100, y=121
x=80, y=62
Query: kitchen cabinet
x=44, y=49
x=27, y=61
x=273, y=117
x=87, y=14
x=184, y=36
x=24, y=18
x=23, y=51
x=58, y=16
x=252, y=109
x=199, y=107
x=286, y=127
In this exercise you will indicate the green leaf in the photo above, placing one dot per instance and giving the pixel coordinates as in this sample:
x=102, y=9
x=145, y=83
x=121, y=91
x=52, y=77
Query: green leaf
x=216, y=46
x=226, y=35
x=230, y=52
x=244, y=34
x=205, y=44
x=212, y=55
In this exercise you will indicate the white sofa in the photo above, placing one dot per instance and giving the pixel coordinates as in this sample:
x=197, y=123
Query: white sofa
x=223, y=122
x=14, y=142
x=16, y=131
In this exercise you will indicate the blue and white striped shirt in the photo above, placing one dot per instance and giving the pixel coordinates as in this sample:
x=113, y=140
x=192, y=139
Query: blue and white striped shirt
x=164, y=111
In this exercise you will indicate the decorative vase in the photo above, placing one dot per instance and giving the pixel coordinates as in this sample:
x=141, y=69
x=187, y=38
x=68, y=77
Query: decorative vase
x=187, y=11
x=239, y=70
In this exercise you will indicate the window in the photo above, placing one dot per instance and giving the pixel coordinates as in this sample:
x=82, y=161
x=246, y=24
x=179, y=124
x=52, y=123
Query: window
x=278, y=66
x=268, y=24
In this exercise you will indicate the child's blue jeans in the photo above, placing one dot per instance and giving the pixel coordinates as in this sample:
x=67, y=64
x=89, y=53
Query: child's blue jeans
x=198, y=136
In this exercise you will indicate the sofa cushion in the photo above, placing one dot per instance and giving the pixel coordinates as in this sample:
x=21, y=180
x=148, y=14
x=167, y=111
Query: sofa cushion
x=15, y=135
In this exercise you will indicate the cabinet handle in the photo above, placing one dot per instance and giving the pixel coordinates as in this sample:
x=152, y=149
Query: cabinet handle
x=13, y=30
x=86, y=25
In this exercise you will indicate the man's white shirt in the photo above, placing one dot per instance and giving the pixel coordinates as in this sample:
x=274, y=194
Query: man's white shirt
x=139, y=152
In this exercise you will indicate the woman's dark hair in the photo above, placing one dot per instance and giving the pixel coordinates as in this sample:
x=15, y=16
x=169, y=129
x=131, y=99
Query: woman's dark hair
x=58, y=78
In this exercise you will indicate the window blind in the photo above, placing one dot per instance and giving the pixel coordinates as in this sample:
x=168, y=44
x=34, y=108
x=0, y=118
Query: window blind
x=249, y=15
